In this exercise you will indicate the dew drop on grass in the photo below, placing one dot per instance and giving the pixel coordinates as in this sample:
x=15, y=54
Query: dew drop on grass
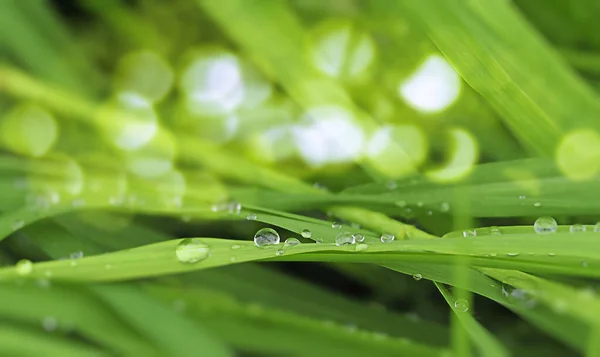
x=279, y=252
x=522, y=197
x=18, y=224
x=265, y=237
x=444, y=207
x=318, y=240
x=192, y=250
x=545, y=225
x=576, y=228
x=512, y=255
x=401, y=203
x=24, y=267
x=597, y=227
x=306, y=233
x=469, y=233
x=336, y=225
x=537, y=204
x=344, y=238
x=461, y=305
x=495, y=231
x=251, y=217
x=291, y=242
x=234, y=207
x=76, y=255
x=387, y=238
x=520, y=297
x=417, y=277
x=551, y=254
x=236, y=246
x=361, y=247
x=359, y=237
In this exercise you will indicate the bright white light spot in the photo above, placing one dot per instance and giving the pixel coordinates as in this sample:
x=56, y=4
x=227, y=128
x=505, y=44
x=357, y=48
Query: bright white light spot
x=132, y=123
x=328, y=134
x=578, y=155
x=213, y=85
x=464, y=156
x=433, y=87
x=397, y=150
x=338, y=50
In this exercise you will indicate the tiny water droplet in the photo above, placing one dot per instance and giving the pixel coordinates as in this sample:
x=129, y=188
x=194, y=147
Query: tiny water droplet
x=391, y=185
x=544, y=225
x=234, y=207
x=420, y=204
x=265, y=237
x=512, y=255
x=551, y=254
x=597, y=227
x=537, y=204
x=522, y=197
x=359, y=237
x=461, y=305
x=24, y=267
x=76, y=255
x=192, y=250
x=306, y=233
x=401, y=203
x=233, y=259
x=49, y=323
x=417, y=277
x=336, y=225
x=576, y=228
x=361, y=247
x=318, y=240
x=291, y=242
x=387, y=238
x=251, y=217
x=344, y=238
x=18, y=224
x=236, y=246
x=279, y=252
x=430, y=213
x=518, y=296
x=495, y=231
x=444, y=207
x=469, y=233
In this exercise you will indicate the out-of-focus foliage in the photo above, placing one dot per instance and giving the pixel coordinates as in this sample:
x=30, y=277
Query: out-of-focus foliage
x=407, y=155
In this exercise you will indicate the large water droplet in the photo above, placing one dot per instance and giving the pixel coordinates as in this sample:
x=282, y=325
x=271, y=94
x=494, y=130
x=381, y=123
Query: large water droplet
x=24, y=267
x=192, y=250
x=344, y=238
x=306, y=233
x=461, y=305
x=576, y=228
x=417, y=277
x=265, y=237
x=291, y=242
x=387, y=237
x=359, y=237
x=545, y=225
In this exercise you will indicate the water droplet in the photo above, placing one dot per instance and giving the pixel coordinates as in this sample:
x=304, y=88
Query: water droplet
x=469, y=233
x=344, y=238
x=279, y=252
x=18, y=224
x=537, y=204
x=24, y=267
x=49, y=323
x=306, y=233
x=391, y=185
x=236, y=246
x=495, y=231
x=430, y=213
x=318, y=240
x=359, y=237
x=522, y=197
x=361, y=247
x=291, y=242
x=522, y=297
x=336, y=225
x=597, y=227
x=417, y=277
x=251, y=217
x=461, y=305
x=401, y=203
x=551, y=254
x=420, y=204
x=387, y=237
x=444, y=207
x=265, y=237
x=576, y=228
x=234, y=207
x=76, y=255
x=355, y=225
x=192, y=250
x=512, y=255
x=545, y=225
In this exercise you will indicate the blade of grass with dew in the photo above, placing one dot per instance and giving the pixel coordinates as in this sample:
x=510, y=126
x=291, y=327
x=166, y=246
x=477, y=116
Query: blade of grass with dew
x=174, y=335
x=25, y=341
x=502, y=57
x=485, y=342
x=330, y=336
x=32, y=302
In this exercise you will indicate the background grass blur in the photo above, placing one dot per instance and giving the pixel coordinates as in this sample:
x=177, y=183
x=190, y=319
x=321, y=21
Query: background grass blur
x=410, y=156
